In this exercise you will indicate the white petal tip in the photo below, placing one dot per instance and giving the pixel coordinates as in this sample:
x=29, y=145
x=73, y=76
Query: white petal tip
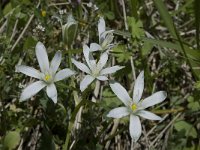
x=82, y=89
x=121, y=67
x=108, y=115
x=21, y=100
x=59, y=53
x=73, y=60
x=54, y=99
x=74, y=73
x=16, y=68
x=165, y=94
x=39, y=44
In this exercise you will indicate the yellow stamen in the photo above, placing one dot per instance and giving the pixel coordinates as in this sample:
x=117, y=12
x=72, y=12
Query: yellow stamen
x=134, y=107
x=47, y=77
x=44, y=13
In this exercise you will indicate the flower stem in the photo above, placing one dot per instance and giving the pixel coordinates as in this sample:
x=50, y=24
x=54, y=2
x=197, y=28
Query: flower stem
x=71, y=123
x=166, y=111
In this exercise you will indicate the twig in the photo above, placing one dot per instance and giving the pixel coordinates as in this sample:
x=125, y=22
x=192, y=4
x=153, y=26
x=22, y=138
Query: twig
x=163, y=131
x=124, y=14
x=25, y=28
x=3, y=26
x=133, y=68
x=14, y=30
x=156, y=125
x=114, y=128
x=145, y=137
x=58, y=4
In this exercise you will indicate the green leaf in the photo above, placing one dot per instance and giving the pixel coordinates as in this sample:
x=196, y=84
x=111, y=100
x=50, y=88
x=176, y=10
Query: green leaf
x=166, y=17
x=136, y=27
x=110, y=15
x=46, y=141
x=133, y=8
x=175, y=34
x=7, y=8
x=29, y=43
x=121, y=54
x=192, y=54
x=146, y=48
x=197, y=85
x=197, y=20
x=194, y=106
x=11, y=140
x=109, y=100
x=163, y=43
x=188, y=129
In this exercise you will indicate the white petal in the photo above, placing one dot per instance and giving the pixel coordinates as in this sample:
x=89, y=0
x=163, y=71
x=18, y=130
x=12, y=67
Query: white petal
x=135, y=127
x=29, y=71
x=110, y=70
x=121, y=93
x=85, y=82
x=88, y=57
x=156, y=98
x=118, y=112
x=81, y=66
x=107, y=32
x=101, y=26
x=62, y=74
x=42, y=57
x=102, y=61
x=102, y=78
x=55, y=63
x=52, y=92
x=86, y=52
x=148, y=115
x=95, y=47
x=138, y=88
x=31, y=90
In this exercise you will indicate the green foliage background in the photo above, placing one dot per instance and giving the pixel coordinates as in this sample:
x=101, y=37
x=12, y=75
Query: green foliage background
x=159, y=37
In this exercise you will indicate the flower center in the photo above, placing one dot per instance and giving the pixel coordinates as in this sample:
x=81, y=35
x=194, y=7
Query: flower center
x=47, y=77
x=95, y=72
x=134, y=107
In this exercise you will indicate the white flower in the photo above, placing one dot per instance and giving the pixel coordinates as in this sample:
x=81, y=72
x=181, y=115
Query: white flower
x=40, y=27
x=135, y=106
x=105, y=38
x=93, y=69
x=90, y=4
x=46, y=77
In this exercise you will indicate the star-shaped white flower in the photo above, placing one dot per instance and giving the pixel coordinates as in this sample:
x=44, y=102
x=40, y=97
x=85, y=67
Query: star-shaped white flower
x=93, y=69
x=46, y=77
x=135, y=106
x=105, y=38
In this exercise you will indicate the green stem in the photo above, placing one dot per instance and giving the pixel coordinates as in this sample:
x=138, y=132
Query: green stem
x=166, y=111
x=78, y=104
x=72, y=80
x=71, y=123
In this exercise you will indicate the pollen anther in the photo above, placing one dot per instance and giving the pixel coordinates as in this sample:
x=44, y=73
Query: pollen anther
x=134, y=107
x=47, y=77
